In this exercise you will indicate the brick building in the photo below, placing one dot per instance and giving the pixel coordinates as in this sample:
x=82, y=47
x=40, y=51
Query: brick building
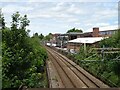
x=61, y=40
x=75, y=45
x=98, y=33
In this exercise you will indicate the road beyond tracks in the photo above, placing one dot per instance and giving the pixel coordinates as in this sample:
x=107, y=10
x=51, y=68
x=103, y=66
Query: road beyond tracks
x=64, y=73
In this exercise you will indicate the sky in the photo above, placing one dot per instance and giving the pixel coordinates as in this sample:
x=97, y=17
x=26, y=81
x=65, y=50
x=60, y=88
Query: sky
x=58, y=16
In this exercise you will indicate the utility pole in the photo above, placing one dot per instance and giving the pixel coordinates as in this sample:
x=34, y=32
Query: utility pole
x=103, y=53
x=85, y=48
x=61, y=44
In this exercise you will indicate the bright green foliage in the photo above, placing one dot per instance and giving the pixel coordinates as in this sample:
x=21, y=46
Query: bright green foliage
x=109, y=69
x=23, y=57
x=2, y=20
x=41, y=36
x=75, y=30
x=48, y=37
x=24, y=22
x=113, y=41
x=36, y=35
x=15, y=20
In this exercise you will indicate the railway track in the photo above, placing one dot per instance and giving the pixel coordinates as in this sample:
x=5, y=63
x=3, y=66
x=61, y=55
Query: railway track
x=69, y=74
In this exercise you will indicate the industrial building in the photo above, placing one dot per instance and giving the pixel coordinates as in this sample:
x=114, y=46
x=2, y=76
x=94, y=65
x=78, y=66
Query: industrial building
x=73, y=40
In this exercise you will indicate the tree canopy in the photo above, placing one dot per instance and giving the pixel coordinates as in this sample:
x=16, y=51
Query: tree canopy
x=2, y=20
x=75, y=30
x=23, y=58
x=48, y=37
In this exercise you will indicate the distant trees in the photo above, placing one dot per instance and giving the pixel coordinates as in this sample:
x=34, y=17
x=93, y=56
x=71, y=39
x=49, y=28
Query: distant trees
x=22, y=22
x=75, y=30
x=35, y=35
x=15, y=20
x=48, y=37
x=41, y=36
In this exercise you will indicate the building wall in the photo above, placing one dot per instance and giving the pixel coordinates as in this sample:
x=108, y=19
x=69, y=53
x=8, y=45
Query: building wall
x=107, y=33
x=95, y=32
x=61, y=39
x=78, y=36
x=74, y=46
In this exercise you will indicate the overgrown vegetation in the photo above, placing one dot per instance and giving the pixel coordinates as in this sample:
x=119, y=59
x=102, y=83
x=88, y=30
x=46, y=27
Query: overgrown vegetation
x=23, y=58
x=105, y=66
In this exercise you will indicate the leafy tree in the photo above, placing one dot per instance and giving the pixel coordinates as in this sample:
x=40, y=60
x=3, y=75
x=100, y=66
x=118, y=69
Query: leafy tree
x=23, y=57
x=24, y=22
x=48, y=37
x=116, y=70
x=41, y=36
x=2, y=20
x=36, y=34
x=108, y=69
x=113, y=41
x=15, y=20
x=74, y=30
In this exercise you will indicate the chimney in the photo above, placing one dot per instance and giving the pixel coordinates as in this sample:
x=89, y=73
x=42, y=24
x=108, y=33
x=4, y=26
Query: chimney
x=95, y=32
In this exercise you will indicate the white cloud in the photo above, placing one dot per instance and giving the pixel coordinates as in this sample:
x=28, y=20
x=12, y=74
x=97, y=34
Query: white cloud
x=77, y=23
x=102, y=24
x=101, y=17
x=107, y=12
x=75, y=10
x=48, y=14
x=32, y=16
x=111, y=27
x=61, y=16
x=103, y=28
x=51, y=12
x=60, y=1
x=116, y=22
x=89, y=24
x=59, y=6
x=72, y=20
x=14, y=8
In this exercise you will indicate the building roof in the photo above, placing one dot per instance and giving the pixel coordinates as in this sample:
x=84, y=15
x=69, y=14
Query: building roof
x=88, y=40
x=105, y=28
x=75, y=33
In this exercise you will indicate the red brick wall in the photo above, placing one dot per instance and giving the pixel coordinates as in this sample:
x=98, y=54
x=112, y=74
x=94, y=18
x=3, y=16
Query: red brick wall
x=95, y=32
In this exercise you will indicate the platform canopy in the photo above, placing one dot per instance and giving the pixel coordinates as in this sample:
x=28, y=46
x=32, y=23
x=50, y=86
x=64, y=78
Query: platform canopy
x=88, y=40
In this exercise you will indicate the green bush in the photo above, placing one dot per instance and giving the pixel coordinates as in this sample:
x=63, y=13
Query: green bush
x=23, y=58
x=107, y=70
